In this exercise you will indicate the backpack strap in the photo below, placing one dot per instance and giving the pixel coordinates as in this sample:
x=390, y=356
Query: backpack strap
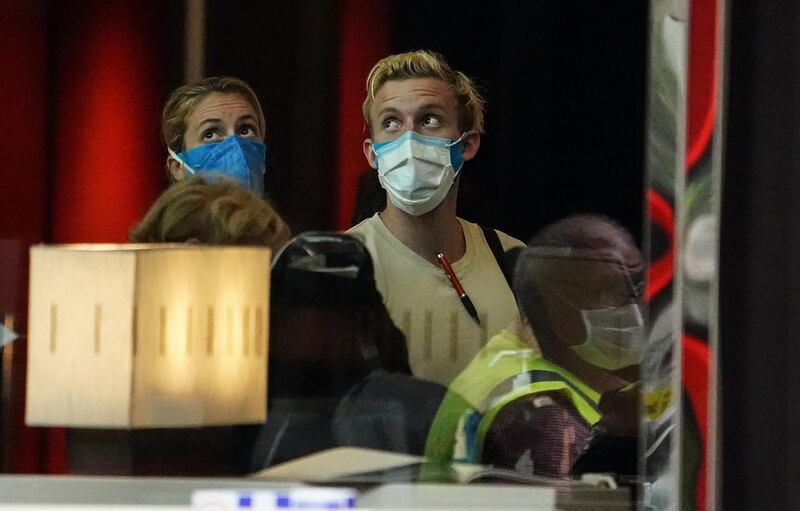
x=499, y=254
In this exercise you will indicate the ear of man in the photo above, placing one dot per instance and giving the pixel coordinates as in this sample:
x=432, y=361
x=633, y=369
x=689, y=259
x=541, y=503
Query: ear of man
x=369, y=154
x=470, y=145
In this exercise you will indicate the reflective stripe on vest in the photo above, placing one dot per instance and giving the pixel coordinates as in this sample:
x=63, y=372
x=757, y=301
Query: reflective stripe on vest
x=477, y=382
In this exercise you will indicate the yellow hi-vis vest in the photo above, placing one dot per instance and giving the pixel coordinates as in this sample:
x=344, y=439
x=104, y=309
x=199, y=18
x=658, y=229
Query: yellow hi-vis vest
x=471, y=397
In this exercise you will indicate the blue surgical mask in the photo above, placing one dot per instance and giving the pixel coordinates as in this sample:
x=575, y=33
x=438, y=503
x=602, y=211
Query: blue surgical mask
x=417, y=171
x=239, y=158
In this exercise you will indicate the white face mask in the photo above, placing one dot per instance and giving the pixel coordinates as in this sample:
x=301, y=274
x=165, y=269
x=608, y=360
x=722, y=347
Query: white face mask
x=417, y=171
x=614, y=337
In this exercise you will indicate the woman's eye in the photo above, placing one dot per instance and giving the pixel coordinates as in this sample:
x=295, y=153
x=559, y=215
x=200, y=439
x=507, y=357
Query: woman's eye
x=431, y=122
x=247, y=131
x=209, y=135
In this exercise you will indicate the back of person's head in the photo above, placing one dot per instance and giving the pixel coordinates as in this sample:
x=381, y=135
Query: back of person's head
x=184, y=100
x=580, y=263
x=588, y=231
x=329, y=326
x=427, y=64
x=213, y=212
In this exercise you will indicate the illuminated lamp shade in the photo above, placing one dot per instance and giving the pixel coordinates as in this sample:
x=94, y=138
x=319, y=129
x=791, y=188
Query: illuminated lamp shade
x=147, y=336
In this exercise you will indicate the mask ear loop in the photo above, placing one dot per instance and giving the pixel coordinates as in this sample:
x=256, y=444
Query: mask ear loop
x=180, y=161
x=456, y=142
x=460, y=139
x=374, y=162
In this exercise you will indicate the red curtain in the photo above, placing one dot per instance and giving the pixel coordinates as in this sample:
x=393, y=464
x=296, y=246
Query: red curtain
x=107, y=101
x=81, y=154
x=23, y=213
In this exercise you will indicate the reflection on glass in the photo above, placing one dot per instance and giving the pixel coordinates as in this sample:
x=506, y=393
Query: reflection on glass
x=665, y=150
x=551, y=396
x=339, y=373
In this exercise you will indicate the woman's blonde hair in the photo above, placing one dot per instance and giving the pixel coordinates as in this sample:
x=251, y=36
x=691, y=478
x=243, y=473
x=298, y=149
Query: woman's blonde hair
x=184, y=100
x=428, y=64
x=217, y=212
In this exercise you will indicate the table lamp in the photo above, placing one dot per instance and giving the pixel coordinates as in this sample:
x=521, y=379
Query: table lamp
x=147, y=336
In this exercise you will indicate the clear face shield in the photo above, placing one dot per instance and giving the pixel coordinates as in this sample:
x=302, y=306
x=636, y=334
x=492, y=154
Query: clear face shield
x=591, y=299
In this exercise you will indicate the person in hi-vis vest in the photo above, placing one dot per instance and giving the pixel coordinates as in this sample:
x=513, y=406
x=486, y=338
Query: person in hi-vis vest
x=577, y=284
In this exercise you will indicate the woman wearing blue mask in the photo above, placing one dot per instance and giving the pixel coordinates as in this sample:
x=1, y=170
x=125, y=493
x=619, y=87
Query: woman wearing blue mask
x=216, y=126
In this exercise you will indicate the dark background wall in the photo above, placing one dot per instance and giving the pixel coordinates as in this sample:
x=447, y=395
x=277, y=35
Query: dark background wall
x=565, y=88
x=287, y=52
x=759, y=254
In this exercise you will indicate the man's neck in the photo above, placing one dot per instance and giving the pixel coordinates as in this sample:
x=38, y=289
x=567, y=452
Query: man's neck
x=428, y=234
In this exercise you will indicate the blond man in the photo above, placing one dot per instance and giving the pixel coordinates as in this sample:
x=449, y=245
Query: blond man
x=425, y=121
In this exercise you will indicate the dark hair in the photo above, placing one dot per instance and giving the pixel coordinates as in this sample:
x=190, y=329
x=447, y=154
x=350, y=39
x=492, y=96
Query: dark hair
x=586, y=230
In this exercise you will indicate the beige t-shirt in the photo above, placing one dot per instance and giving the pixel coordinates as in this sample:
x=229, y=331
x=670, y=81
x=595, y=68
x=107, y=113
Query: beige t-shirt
x=442, y=338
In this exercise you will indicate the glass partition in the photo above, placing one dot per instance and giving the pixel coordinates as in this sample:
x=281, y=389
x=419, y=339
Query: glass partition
x=563, y=138
x=683, y=187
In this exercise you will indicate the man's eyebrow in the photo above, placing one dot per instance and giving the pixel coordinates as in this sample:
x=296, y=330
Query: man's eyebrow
x=387, y=110
x=432, y=106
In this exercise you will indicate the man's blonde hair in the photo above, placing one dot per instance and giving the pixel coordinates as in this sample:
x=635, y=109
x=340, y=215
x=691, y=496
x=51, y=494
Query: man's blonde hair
x=217, y=212
x=428, y=64
x=184, y=100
